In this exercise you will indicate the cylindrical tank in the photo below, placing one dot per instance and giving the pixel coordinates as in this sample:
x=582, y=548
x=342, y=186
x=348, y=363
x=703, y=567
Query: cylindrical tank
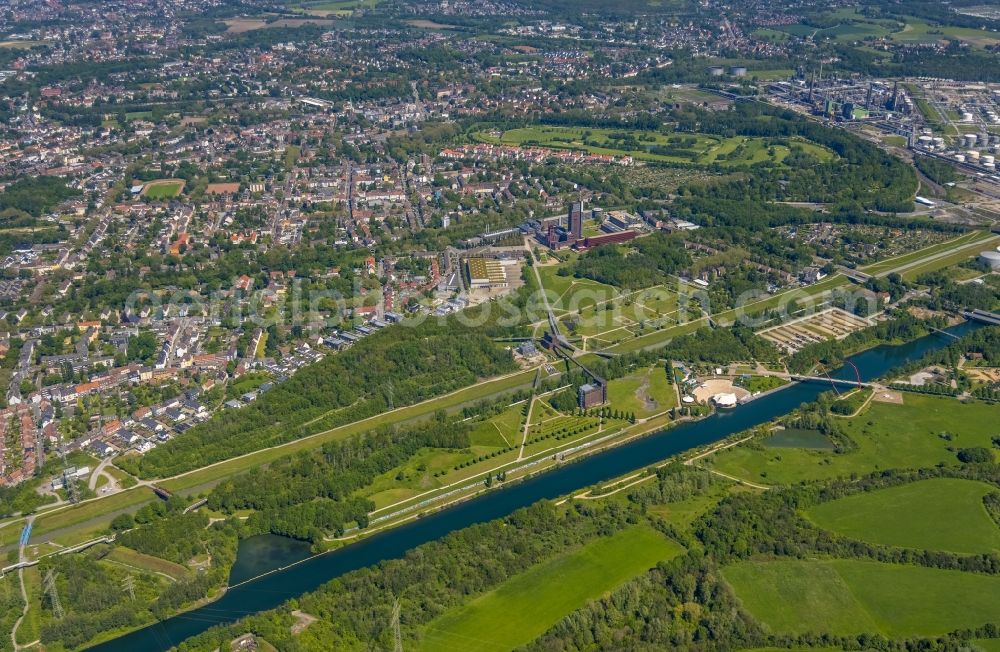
x=966, y=116
x=991, y=257
x=939, y=142
x=987, y=159
x=960, y=158
x=970, y=140
x=972, y=155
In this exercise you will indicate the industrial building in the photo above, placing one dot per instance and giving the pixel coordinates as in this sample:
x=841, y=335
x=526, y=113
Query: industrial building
x=485, y=273
x=592, y=395
x=616, y=228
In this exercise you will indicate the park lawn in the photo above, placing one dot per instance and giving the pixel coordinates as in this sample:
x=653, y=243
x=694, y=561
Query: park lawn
x=847, y=596
x=888, y=437
x=136, y=559
x=501, y=430
x=526, y=605
x=939, y=514
x=658, y=338
x=628, y=394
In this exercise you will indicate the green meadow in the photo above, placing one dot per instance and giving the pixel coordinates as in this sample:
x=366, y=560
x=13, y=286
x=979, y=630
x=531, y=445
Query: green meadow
x=845, y=597
x=939, y=514
x=526, y=605
x=917, y=434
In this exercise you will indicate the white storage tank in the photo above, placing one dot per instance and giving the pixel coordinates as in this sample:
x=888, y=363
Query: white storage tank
x=966, y=116
x=970, y=140
x=991, y=258
x=987, y=159
x=960, y=158
x=972, y=155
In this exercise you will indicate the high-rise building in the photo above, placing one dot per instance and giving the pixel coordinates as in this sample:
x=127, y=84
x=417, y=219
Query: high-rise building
x=576, y=221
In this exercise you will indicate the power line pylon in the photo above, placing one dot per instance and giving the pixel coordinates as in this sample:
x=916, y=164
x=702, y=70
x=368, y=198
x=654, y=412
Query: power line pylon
x=50, y=588
x=128, y=584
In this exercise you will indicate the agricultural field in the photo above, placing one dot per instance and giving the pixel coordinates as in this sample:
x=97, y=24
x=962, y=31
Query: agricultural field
x=526, y=605
x=915, y=434
x=847, y=597
x=692, y=149
x=163, y=189
x=939, y=514
x=644, y=393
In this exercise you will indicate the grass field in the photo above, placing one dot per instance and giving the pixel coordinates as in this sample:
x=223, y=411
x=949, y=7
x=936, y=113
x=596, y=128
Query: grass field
x=645, y=392
x=851, y=596
x=658, y=338
x=526, y=605
x=888, y=436
x=163, y=189
x=956, y=243
x=940, y=514
x=699, y=149
x=133, y=559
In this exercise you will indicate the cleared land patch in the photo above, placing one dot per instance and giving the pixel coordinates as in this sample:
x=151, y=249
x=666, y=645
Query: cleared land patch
x=850, y=597
x=939, y=514
x=526, y=605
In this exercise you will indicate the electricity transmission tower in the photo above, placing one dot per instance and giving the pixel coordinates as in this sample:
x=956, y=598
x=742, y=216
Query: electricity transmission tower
x=128, y=584
x=50, y=588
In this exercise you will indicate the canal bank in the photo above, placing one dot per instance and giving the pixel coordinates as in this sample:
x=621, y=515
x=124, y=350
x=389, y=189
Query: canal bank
x=271, y=590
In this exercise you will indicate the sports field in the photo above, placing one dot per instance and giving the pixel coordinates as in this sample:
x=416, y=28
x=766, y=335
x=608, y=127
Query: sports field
x=888, y=436
x=851, y=596
x=939, y=514
x=526, y=605
x=695, y=149
x=163, y=188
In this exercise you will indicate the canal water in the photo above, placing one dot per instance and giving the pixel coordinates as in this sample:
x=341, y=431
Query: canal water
x=293, y=579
